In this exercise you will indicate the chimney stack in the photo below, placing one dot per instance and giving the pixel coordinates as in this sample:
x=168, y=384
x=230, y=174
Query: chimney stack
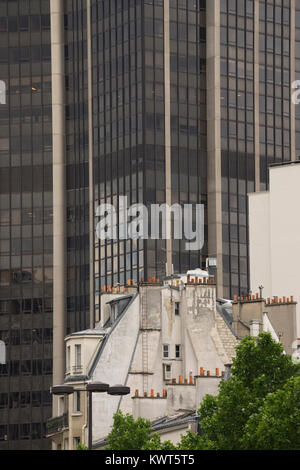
x=254, y=328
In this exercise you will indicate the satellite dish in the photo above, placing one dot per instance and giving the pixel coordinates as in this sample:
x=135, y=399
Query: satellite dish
x=2, y=353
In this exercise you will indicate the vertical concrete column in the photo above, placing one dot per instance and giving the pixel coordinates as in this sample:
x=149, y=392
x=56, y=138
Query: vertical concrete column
x=91, y=166
x=293, y=78
x=215, y=248
x=256, y=96
x=255, y=328
x=59, y=193
x=168, y=165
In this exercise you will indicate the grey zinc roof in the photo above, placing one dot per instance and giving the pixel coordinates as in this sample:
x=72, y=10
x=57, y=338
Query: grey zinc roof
x=168, y=422
x=95, y=332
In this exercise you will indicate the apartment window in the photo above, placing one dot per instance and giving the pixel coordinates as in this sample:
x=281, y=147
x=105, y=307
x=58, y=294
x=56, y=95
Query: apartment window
x=178, y=351
x=167, y=372
x=61, y=405
x=78, y=356
x=76, y=442
x=77, y=402
x=68, y=358
x=177, y=309
x=165, y=351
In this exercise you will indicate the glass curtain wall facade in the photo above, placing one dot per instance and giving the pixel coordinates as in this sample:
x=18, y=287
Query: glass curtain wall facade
x=77, y=170
x=254, y=133
x=129, y=123
x=188, y=117
x=237, y=134
x=275, y=85
x=154, y=127
x=297, y=74
x=118, y=128
x=25, y=223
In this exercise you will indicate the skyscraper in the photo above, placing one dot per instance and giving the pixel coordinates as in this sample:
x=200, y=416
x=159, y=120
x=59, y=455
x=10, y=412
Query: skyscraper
x=161, y=101
x=257, y=116
x=26, y=217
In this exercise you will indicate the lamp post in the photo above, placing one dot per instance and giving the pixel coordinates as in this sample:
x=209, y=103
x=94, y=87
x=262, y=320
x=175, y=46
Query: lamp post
x=93, y=387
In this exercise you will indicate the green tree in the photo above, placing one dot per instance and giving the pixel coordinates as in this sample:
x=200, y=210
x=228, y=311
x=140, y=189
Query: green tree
x=276, y=426
x=128, y=434
x=82, y=447
x=260, y=368
x=192, y=441
x=155, y=443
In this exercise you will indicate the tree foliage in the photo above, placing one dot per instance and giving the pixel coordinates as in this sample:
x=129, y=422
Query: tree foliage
x=276, y=426
x=128, y=433
x=82, y=447
x=259, y=370
x=192, y=441
x=155, y=443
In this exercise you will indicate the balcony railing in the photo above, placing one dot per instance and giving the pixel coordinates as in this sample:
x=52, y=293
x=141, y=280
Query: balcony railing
x=56, y=425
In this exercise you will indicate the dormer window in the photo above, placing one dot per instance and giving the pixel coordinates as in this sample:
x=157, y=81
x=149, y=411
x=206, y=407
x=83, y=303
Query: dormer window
x=117, y=307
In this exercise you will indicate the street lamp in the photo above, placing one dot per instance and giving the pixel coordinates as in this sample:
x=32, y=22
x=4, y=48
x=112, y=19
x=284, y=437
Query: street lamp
x=118, y=390
x=62, y=390
x=93, y=387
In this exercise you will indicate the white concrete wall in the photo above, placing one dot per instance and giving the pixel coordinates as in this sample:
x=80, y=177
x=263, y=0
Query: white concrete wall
x=180, y=398
x=259, y=235
x=172, y=330
x=149, y=408
x=200, y=327
x=113, y=368
x=206, y=386
x=174, y=434
x=278, y=246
